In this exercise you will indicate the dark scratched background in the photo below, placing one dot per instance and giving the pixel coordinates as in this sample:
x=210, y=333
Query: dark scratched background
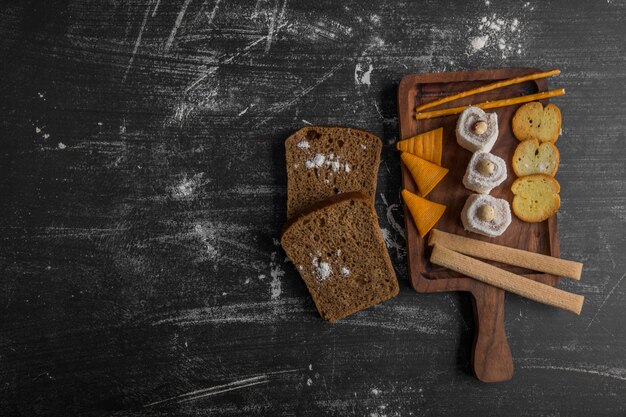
x=142, y=190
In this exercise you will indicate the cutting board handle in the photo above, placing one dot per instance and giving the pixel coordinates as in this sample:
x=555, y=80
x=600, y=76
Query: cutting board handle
x=491, y=358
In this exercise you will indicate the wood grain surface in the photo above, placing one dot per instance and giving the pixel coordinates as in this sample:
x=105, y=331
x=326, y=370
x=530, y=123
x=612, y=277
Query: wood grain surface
x=142, y=190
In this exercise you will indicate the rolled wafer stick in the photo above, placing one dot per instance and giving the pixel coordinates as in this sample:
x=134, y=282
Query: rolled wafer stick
x=504, y=254
x=505, y=280
x=488, y=87
x=492, y=104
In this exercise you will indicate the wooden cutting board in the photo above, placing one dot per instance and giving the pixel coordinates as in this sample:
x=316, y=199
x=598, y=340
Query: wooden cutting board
x=491, y=357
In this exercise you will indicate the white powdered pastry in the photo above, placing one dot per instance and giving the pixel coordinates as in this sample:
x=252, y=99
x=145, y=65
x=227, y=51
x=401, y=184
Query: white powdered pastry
x=485, y=171
x=476, y=130
x=486, y=215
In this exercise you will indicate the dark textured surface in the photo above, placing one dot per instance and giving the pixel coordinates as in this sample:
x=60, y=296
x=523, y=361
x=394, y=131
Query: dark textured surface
x=142, y=185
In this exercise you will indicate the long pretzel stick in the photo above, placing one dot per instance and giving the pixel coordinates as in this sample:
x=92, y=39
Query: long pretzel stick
x=504, y=254
x=488, y=87
x=505, y=280
x=492, y=104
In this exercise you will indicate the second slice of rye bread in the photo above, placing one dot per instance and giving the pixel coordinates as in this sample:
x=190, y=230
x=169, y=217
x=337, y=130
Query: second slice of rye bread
x=339, y=251
x=326, y=161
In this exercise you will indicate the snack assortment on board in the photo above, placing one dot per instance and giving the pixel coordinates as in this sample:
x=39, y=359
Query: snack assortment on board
x=339, y=251
x=427, y=145
x=485, y=171
x=536, y=197
x=486, y=215
x=534, y=157
x=476, y=130
x=533, y=121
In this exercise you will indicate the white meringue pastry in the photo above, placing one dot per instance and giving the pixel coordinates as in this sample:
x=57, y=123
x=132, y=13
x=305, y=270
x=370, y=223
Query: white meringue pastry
x=476, y=130
x=486, y=215
x=485, y=171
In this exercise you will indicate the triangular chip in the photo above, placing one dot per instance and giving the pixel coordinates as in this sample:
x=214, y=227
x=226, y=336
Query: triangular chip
x=426, y=174
x=425, y=213
x=427, y=145
x=438, y=150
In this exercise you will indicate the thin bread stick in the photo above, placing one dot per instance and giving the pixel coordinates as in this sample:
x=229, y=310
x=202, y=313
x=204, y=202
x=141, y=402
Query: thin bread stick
x=492, y=104
x=504, y=254
x=488, y=87
x=505, y=280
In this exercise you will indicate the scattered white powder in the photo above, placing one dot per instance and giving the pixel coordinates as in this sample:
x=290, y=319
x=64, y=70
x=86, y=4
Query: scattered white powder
x=37, y=130
x=375, y=391
x=338, y=252
x=61, y=145
x=479, y=42
x=309, y=382
x=322, y=270
x=303, y=144
x=316, y=161
x=362, y=76
x=496, y=34
x=345, y=271
x=46, y=135
x=363, y=146
x=331, y=160
x=262, y=276
x=300, y=267
x=310, y=367
x=277, y=273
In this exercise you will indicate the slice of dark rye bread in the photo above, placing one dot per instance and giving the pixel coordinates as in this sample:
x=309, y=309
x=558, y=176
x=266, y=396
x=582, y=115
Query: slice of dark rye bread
x=338, y=248
x=325, y=161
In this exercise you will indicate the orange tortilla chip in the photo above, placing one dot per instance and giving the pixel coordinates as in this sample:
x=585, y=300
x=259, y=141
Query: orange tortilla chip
x=426, y=174
x=438, y=151
x=425, y=213
x=426, y=145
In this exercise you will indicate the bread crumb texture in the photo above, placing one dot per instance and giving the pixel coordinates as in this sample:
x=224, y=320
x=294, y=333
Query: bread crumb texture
x=345, y=264
x=326, y=161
